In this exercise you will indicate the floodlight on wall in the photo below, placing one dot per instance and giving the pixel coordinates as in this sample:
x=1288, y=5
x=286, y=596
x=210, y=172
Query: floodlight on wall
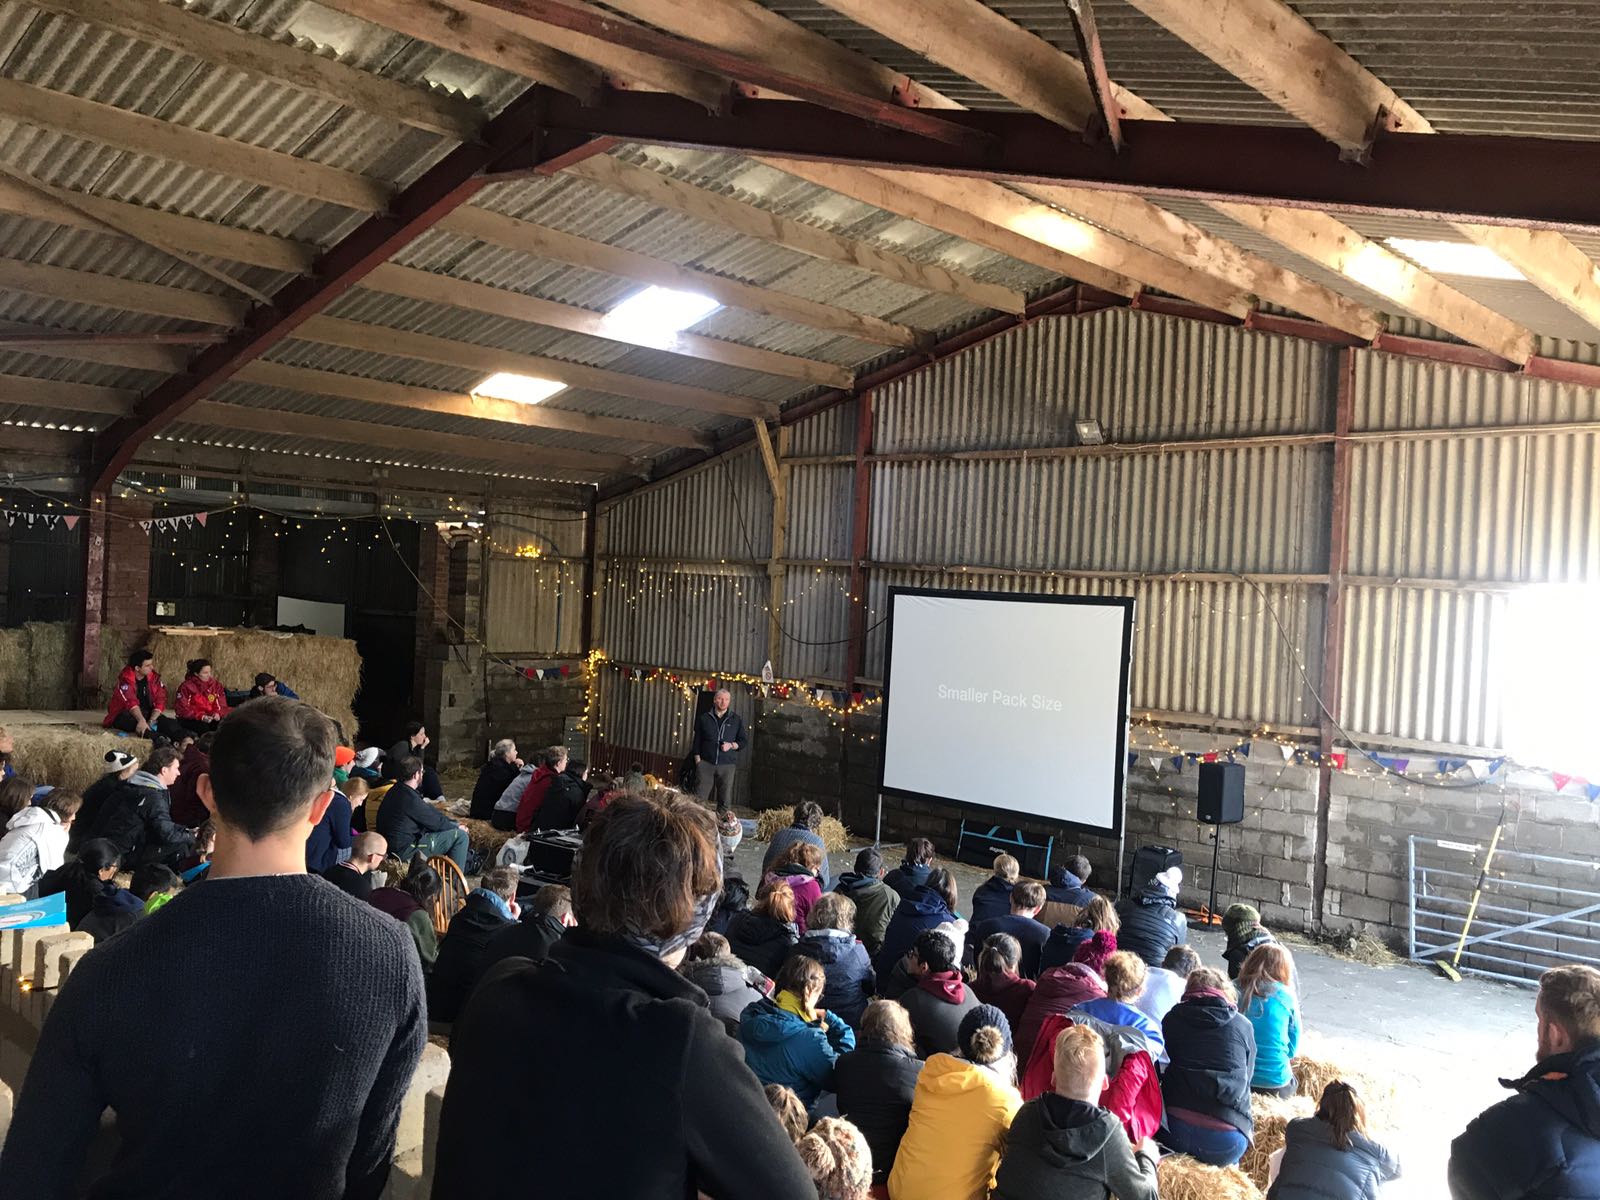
x=1089, y=432
x=657, y=314
x=520, y=389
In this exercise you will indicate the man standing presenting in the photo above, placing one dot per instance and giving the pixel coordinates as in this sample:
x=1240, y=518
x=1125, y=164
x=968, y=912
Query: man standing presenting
x=718, y=738
x=262, y=1006
x=1543, y=1142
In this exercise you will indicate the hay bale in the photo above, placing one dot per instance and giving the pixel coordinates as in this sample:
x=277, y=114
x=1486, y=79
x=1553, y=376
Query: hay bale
x=1180, y=1177
x=68, y=758
x=1314, y=1073
x=1271, y=1115
x=834, y=835
x=14, y=668
x=325, y=672
x=52, y=664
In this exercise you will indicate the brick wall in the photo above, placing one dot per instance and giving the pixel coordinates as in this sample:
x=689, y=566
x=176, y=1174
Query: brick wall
x=127, y=567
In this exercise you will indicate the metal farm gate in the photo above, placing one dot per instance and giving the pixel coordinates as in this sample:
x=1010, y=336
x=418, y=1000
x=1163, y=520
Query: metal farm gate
x=1535, y=911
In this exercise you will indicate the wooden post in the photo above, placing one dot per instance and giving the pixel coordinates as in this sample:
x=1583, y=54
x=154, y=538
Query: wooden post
x=1333, y=627
x=778, y=477
x=94, y=601
x=861, y=520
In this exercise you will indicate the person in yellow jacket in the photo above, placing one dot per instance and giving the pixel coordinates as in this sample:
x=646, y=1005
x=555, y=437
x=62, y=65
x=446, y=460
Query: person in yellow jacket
x=960, y=1112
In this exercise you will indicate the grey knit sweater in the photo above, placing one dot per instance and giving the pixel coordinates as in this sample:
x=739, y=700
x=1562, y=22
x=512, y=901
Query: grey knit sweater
x=254, y=1038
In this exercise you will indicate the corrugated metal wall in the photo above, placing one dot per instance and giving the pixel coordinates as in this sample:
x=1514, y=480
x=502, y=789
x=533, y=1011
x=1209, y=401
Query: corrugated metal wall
x=1426, y=517
x=533, y=605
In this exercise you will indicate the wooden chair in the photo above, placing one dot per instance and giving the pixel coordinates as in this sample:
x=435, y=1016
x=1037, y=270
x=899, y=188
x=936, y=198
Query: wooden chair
x=452, y=898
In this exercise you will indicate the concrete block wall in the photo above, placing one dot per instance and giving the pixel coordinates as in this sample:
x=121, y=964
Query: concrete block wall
x=533, y=711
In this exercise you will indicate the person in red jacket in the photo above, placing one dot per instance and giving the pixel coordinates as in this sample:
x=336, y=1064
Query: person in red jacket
x=202, y=700
x=551, y=763
x=138, y=702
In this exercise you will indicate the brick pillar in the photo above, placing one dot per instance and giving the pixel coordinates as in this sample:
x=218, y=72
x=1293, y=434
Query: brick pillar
x=116, y=583
x=433, y=610
x=265, y=545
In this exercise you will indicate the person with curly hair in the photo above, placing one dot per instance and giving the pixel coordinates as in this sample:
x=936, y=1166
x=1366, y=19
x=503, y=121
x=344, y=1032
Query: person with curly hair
x=839, y=1160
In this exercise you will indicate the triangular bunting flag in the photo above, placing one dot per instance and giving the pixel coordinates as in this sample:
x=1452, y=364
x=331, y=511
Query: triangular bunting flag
x=1210, y=757
x=1133, y=758
x=201, y=517
x=1288, y=753
x=1155, y=763
x=765, y=688
x=1449, y=766
x=1479, y=768
x=1338, y=759
x=1560, y=781
x=1495, y=764
x=70, y=522
x=1594, y=791
x=11, y=518
x=32, y=517
x=565, y=671
x=1177, y=762
x=50, y=520
x=145, y=525
x=1242, y=749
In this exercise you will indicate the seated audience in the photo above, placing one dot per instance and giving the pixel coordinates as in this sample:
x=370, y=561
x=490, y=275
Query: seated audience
x=569, y=792
x=1094, y=952
x=138, y=815
x=874, y=899
x=806, y=827
x=202, y=701
x=198, y=861
x=354, y=874
x=1268, y=1002
x=1098, y=916
x=366, y=765
x=830, y=939
x=798, y=866
x=494, y=778
x=1124, y=974
x=490, y=908
x=116, y=909
x=410, y=901
x=1069, y=883
x=330, y=838
x=734, y=900
x=789, y=1039
x=875, y=1082
x=764, y=934
x=84, y=879
x=1151, y=922
x=572, y=1040
x=729, y=985
x=412, y=745
x=119, y=768
x=1064, y=1146
x=1060, y=990
x=960, y=1114
x=270, y=685
x=544, y=922
x=992, y=897
x=938, y=998
x=356, y=790
x=260, y=1003
x=1206, y=1086
x=138, y=701
x=1543, y=1141
x=1330, y=1157
x=343, y=759
x=35, y=841
x=16, y=794
x=1026, y=899
x=1164, y=985
x=415, y=828
x=1242, y=924
x=914, y=871
x=930, y=904
x=999, y=980
x=789, y=1109
x=195, y=762
x=839, y=1159
x=518, y=806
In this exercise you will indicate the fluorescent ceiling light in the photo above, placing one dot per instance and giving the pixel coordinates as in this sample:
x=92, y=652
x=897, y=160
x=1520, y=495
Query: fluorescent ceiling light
x=1455, y=258
x=523, y=389
x=657, y=313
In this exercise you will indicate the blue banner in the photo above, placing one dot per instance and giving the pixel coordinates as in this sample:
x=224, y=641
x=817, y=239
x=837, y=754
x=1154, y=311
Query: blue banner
x=51, y=910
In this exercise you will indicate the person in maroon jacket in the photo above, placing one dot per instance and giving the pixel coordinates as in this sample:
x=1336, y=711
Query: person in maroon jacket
x=138, y=702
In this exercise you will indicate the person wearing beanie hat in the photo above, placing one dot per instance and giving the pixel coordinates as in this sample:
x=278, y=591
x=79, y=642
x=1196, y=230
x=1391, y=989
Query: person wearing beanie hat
x=1151, y=922
x=836, y=1154
x=1242, y=924
x=119, y=768
x=1096, y=950
x=1064, y=1146
x=1063, y=944
x=960, y=1113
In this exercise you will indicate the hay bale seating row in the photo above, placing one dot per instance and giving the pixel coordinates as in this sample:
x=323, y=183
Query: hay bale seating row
x=1179, y=1177
x=834, y=835
x=1314, y=1072
x=1271, y=1116
x=65, y=757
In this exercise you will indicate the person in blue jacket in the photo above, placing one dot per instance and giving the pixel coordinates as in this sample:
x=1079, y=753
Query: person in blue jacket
x=1268, y=1002
x=992, y=897
x=1544, y=1142
x=830, y=939
x=914, y=872
x=928, y=906
x=788, y=1040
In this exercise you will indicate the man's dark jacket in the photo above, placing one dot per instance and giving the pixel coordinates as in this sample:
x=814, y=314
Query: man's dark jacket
x=138, y=818
x=1542, y=1143
x=405, y=816
x=493, y=779
x=462, y=952
x=710, y=731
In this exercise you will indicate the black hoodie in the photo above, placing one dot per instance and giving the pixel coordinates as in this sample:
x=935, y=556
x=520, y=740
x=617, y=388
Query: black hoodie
x=1060, y=1149
x=761, y=941
x=1151, y=924
x=1542, y=1143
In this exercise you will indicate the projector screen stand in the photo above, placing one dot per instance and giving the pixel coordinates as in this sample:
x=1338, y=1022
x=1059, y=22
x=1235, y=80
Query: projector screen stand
x=979, y=843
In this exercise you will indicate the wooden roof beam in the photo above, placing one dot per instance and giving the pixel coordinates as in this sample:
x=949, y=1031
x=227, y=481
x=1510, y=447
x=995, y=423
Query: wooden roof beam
x=1284, y=57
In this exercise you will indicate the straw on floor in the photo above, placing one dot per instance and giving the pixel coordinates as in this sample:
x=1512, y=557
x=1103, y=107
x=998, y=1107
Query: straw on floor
x=1271, y=1115
x=1180, y=1177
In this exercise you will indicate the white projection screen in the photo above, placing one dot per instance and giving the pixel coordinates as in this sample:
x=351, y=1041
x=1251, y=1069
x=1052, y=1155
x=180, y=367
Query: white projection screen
x=1014, y=704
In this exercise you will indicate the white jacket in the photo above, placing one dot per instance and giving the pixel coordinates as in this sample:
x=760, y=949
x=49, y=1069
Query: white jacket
x=35, y=842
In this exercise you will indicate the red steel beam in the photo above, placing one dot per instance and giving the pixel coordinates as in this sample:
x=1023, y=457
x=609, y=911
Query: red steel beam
x=1520, y=181
x=885, y=111
x=441, y=190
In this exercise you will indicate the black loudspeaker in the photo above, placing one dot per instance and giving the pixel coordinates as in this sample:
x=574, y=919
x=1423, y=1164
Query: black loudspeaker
x=1148, y=862
x=1221, y=793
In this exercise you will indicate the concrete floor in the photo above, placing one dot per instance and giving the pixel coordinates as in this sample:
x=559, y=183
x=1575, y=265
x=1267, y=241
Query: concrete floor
x=1445, y=1044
